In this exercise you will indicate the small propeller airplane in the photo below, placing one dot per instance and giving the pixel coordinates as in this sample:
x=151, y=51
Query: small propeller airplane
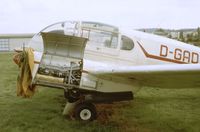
x=99, y=63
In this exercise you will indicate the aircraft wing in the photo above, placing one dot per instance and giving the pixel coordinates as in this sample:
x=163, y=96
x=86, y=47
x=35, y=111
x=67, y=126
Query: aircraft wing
x=165, y=76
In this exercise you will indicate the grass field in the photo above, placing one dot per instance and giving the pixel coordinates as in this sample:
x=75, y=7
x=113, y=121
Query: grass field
x=153, y=109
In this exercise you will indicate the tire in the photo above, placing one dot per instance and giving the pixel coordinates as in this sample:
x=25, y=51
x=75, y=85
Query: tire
x=85, y=112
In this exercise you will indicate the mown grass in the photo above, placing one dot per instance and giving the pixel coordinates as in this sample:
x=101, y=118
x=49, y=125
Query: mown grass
x=152, y=110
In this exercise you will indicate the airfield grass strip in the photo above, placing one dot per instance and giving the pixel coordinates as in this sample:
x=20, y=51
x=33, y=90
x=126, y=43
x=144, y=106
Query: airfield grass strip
x=153, y=109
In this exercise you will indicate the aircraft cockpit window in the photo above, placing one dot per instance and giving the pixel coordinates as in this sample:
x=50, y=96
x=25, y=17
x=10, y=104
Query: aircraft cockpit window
x=100, y=34
x=126, y=43
x=108, y=39
x=112, y=43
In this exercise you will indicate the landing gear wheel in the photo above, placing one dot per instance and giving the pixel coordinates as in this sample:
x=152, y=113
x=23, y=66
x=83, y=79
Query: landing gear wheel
x=85, y=112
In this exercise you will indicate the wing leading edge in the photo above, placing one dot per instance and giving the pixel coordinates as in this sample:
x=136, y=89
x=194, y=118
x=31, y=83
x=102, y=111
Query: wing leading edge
x=165, y=76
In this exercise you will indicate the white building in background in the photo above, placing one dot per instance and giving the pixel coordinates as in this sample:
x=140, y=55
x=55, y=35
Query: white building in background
x=175, y=35
x=8, y=42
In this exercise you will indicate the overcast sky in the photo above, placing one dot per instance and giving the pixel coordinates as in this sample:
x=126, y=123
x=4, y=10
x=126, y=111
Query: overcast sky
x=30, y=16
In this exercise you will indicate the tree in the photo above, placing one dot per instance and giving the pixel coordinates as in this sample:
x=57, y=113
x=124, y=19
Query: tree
x=198, y=33
x=181, y=36
x=189, y=37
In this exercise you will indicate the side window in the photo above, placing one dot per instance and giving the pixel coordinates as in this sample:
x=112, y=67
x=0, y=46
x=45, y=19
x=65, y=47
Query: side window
x=106, y=39
x=98, y=38
x=126, y=43
x=112, y=42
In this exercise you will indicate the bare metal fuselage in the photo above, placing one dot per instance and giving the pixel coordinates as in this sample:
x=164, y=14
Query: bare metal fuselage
x=69, y=54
